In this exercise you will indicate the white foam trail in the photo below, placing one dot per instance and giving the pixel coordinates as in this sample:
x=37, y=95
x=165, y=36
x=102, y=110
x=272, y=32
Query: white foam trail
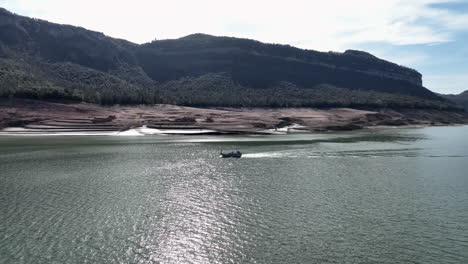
x=267, y=155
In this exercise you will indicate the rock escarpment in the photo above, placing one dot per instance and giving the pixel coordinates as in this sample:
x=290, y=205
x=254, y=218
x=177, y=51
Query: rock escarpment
x=47, y=61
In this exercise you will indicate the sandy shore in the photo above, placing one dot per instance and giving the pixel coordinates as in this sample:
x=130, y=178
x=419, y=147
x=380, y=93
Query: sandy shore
x=31, y=117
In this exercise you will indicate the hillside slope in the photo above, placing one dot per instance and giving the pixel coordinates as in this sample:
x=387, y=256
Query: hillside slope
x=460, y=99
x=43, y=60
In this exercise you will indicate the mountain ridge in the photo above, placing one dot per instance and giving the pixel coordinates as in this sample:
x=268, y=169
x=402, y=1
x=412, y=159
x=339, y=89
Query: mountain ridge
x=201, y=40
x=44, y=60
x=460, y=99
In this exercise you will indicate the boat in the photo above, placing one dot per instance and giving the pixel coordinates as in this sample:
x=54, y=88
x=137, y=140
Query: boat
x=233, y=154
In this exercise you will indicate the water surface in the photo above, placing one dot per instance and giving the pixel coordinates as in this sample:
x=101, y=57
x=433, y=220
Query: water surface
x=386, y=196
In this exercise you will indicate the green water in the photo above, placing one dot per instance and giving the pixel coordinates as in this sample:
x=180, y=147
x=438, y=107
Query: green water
x=388, y=196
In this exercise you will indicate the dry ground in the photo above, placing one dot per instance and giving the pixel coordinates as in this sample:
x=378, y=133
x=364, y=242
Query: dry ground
x=40, y=115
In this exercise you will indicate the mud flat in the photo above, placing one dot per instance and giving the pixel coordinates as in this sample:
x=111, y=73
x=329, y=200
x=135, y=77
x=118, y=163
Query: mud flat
x=32, y=117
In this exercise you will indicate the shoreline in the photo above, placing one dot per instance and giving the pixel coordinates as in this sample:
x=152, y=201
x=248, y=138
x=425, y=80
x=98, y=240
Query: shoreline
x=136, y=132
x=25, y=117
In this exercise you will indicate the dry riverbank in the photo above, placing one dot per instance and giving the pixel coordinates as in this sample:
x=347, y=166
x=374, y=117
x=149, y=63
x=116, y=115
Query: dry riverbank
x=28, y=117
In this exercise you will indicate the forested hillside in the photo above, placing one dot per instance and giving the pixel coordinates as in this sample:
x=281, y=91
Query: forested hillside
x=48, y=61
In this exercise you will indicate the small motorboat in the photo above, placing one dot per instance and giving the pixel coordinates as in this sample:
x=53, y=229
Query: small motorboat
x=233, y=154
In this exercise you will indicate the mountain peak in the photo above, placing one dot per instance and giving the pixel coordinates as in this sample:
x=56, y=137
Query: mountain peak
x=198, y=36
x=3, y=11
x=359, y=53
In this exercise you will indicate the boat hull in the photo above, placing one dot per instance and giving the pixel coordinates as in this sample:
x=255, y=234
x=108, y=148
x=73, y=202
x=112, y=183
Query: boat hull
x=231, y=155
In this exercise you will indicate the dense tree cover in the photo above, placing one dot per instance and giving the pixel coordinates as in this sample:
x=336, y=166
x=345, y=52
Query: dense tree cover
x=356, y=60
x=35, y=41
x=15, y=82
x=96, y=86
x=220, y=90
x=44, y=60
x=71, y=82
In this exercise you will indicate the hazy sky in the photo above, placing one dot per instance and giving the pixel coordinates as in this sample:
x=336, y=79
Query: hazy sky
x=428, y=35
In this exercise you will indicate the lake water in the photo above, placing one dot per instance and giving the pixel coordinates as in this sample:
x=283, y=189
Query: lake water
x=378, y=196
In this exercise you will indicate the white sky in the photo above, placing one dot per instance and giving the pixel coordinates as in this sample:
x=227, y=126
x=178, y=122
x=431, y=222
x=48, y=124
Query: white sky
x=321, y=25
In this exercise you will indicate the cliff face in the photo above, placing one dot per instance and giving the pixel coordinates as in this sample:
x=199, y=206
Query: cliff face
x=41, y=60
x=228, y=52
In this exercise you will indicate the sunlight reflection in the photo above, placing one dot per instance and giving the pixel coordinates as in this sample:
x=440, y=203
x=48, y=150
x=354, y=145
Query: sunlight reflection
x=200, y=222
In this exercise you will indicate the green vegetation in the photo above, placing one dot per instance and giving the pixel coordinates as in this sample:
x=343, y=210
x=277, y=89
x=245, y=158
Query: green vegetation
x=16, y=82
x=47, y=61
x=67, y=81
x=220, y=90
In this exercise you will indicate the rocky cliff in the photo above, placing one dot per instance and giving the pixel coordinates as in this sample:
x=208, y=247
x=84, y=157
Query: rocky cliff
x=43, y=60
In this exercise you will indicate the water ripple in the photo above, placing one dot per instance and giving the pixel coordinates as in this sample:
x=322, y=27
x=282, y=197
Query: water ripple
x=366, y=197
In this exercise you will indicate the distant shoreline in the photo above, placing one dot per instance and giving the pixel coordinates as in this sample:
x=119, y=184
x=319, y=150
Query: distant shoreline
x=182, y=132
x=32, y=117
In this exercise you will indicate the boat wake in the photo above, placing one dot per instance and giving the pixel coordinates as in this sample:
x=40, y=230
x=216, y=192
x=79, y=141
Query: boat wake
x=269, y=155
x=382, y=153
